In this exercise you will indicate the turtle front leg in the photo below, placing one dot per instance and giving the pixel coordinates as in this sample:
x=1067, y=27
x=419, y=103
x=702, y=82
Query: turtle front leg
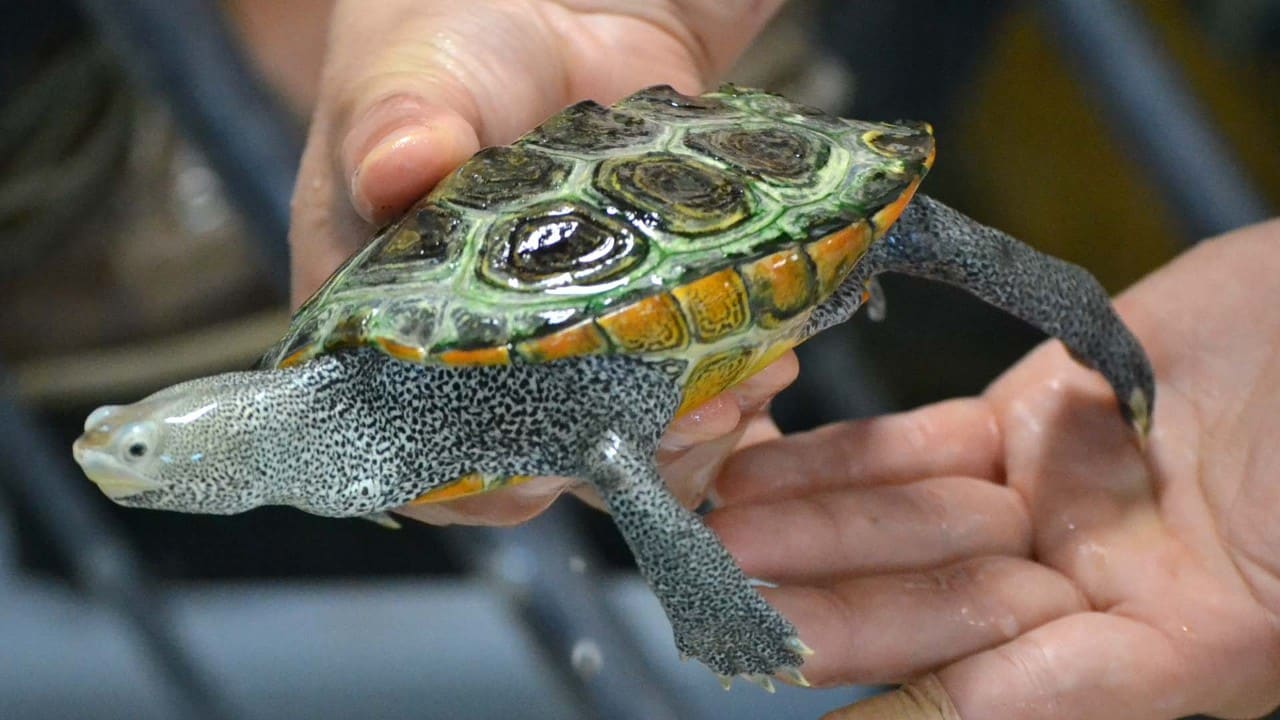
x=717, y=616
x=933, y=241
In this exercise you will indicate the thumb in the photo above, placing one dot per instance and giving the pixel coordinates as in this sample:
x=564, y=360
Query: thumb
x=441, y=79
x=923, y=699
x=401, y=146
x=410, y=90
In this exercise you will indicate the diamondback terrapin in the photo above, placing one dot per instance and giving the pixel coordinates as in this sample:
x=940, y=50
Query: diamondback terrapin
x=554, y=303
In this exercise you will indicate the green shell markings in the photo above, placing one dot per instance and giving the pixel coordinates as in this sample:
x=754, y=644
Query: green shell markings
x=677, y=193
x=432, y=236
x=777, y=154
x=554, y=304
x=589, y=127
x=669, y=227
x=502, y=175
x=563, y=244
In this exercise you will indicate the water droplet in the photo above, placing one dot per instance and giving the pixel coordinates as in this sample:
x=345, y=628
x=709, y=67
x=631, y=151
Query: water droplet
x=577, y=564
x=586, y=658
x=1008, y=625
x=199, y=201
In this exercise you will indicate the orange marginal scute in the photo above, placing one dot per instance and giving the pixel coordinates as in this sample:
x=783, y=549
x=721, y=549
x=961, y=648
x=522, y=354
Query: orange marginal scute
x=651, y=324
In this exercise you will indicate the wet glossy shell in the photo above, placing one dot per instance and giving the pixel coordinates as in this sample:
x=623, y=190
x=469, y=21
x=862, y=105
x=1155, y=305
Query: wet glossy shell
x=697, y=232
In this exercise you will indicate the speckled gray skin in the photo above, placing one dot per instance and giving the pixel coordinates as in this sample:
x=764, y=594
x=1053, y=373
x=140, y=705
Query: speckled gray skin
x=385, y=431
x=933, y=241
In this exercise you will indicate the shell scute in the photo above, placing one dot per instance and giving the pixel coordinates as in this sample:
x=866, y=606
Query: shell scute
x=476, y=330
x=690, y=231
x=501, y=175
x=560, y=244
x=651, y=324
x=677, y=193
x=776, y=154
x=715, y=373
x=781, y=285
x=589, y=127
x=578, y=340
x=498, y=355
x=430, y=235
x=351, y=331
x=716, y=305
x=400, y=351
x=835, y=254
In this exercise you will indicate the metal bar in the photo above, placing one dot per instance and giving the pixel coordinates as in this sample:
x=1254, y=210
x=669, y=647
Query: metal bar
x=99, y=559
x=184, y=52
x=8, y=544
x=1121, y=63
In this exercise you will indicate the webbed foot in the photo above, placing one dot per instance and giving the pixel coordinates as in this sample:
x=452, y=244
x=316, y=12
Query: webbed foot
x=739, y=634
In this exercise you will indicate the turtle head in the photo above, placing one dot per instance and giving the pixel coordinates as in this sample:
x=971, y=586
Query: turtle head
x=191, y=448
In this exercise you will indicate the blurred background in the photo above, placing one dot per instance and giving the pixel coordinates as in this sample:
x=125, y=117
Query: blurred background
x=147, y=150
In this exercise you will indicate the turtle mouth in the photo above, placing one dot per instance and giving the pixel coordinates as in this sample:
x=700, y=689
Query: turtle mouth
x=114, y=479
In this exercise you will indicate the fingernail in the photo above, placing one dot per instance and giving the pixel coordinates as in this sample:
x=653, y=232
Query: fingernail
x=375, y=134
x=392, y=143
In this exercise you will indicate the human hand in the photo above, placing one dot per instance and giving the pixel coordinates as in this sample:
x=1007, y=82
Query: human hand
x=412, y=88
x=1018, y=554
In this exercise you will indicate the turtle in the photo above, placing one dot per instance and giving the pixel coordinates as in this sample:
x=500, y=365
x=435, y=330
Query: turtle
x=550, y=306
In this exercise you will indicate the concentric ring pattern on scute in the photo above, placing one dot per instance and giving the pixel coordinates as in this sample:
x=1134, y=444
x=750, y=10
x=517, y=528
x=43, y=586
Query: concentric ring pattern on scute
x=685, y=229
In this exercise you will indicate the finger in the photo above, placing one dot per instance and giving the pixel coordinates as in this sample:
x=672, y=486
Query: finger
x=760, y=427
x=923, y=699
x=875, y=529
x=886, y=628
x=409, y=112
x=1092, y=665
x=689, y=474
x=400, y=149
x=1098, y=515
x=957, y=437
x=507, y=506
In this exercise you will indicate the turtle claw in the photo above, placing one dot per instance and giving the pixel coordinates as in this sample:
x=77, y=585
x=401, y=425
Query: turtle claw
x=877, y=307
x=797, y=645
x=790, y=673
x=1139, y=412
x=763, y=681
x=793, y=676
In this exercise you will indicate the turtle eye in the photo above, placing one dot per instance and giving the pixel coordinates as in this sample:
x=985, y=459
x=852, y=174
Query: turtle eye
x=138, y=443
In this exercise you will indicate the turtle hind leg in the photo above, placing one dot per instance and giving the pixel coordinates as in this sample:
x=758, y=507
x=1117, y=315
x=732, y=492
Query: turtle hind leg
x=933, y=241
x=717, y=616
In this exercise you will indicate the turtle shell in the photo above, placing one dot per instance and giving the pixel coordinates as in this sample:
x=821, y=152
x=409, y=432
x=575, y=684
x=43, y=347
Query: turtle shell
x=694, y=232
